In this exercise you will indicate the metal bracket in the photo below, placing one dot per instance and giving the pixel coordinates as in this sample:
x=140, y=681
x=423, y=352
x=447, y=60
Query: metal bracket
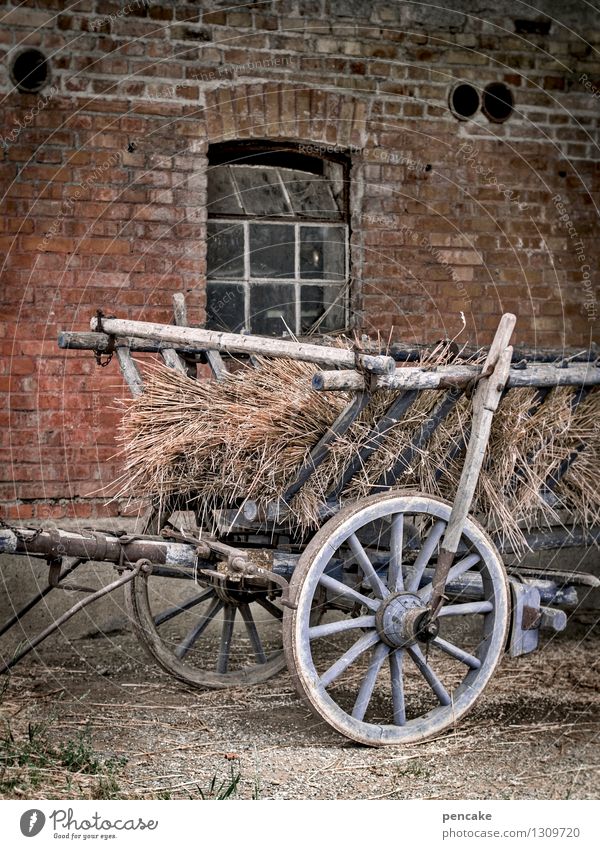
x=54, y=570
x=525, y=619
x=531, y=618
x=247, y=569
x=237, y=563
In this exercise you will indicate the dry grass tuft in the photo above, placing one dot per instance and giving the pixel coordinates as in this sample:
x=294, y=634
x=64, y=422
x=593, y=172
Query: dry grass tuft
x=220, y=444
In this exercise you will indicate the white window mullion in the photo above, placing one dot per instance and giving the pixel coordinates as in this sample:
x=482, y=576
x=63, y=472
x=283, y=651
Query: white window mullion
x=247, y=275
x=298, y=311
x=346, y=283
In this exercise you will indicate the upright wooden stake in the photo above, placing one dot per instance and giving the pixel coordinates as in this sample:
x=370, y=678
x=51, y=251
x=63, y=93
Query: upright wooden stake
x=215, y=360
x=485, y=403
x=130, y=371
x=170, y=356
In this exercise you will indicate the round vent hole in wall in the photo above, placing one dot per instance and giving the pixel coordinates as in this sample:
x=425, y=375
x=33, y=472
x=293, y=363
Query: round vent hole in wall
x=464, y=101
x=498, y=102
x=30, y=71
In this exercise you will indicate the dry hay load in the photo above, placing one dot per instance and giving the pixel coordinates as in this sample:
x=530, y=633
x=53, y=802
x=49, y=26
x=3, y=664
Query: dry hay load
x=218, y=444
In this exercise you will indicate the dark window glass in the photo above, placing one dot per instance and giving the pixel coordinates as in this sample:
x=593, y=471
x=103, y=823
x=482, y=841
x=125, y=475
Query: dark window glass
x=222, y=195
x=322, y=309
x=261, y=191
x=322, y=253
x=225, y=306
x=225, y=249
x=310, y=194
x=272, y=250
x=272, y=308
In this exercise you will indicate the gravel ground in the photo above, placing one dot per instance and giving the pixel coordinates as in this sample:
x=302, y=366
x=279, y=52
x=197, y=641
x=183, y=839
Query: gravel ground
x=534, y=733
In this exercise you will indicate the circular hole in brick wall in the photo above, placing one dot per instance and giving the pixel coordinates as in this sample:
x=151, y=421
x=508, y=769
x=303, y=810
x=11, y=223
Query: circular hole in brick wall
x=464, y=101
x=30, y=71
x=498, y=102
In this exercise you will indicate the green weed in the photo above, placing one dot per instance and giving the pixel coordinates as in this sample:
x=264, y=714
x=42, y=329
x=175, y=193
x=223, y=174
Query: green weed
x=227, y=788
x=31, y=762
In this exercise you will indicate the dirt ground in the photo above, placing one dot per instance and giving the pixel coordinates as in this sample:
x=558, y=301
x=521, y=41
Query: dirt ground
x=534, y=734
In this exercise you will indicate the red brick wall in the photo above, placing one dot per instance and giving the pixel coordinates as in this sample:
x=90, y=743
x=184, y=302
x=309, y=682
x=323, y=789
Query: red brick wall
x=447, y=216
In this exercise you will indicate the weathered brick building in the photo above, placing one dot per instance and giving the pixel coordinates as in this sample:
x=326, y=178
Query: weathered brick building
x=454, y=165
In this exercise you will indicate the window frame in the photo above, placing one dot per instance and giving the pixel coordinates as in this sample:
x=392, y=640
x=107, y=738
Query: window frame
x=310, y=158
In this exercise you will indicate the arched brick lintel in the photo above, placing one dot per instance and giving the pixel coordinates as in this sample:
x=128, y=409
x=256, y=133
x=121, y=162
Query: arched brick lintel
x=279, y=111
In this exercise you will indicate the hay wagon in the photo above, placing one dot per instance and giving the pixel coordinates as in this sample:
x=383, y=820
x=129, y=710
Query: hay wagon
x=393, y=614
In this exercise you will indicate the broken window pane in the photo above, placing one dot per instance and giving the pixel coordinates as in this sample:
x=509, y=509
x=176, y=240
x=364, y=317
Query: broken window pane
x=322, y=253
x=222, y=196
x=272, y=250
x=272, y=308
x=310, y=194
x=225, y=249
x=225, y=306
x=322, y=308
x=260, y=191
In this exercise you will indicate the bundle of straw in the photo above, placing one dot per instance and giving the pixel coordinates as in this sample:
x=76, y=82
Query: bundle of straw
x=218, y=444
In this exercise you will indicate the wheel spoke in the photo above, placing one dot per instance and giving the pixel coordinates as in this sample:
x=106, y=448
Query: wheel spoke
x=365, y=564
x=347, y=592
x=429, y=675
x=259, y=652
x=456, y=652
x=189, y=640
x=360, y=646
x=455, y=572
x=269, y=607
x=342, y=625
x=395, y=578
x=424, y=556
x=398, y=704
x=226, y=635
x=367, y=686
x=467, y=608
x=172, y=612
x=463, y=566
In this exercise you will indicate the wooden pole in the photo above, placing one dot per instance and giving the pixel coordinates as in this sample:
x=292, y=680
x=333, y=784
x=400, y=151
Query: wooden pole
x=485, y=403
x=239, y=344
x=130, y=371
x=445, y=377
x=102, y=342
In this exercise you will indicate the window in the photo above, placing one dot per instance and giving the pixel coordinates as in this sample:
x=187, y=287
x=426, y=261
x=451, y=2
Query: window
x=277, y=241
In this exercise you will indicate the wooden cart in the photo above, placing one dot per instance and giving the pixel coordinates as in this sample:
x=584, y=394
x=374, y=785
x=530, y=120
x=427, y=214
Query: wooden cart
x=393, y=615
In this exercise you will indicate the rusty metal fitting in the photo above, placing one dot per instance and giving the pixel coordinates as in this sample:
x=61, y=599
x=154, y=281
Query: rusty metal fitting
x=203, y=550
x=143, y=565
x=241, y=564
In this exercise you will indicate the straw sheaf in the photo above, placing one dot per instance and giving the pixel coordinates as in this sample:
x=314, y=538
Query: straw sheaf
x=219, y=444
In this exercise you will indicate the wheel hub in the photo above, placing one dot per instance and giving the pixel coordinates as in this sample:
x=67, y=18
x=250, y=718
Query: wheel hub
x=400, y=619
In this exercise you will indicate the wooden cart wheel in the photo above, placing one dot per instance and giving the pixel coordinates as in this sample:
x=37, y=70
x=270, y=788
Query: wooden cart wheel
x=204, y=636
x=369, y=670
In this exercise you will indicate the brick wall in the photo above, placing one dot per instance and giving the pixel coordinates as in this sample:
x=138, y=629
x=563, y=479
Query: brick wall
x=104, y=185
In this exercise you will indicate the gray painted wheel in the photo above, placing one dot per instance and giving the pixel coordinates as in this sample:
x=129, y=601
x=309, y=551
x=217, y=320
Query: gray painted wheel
x=370, y=669
x=204, y=636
